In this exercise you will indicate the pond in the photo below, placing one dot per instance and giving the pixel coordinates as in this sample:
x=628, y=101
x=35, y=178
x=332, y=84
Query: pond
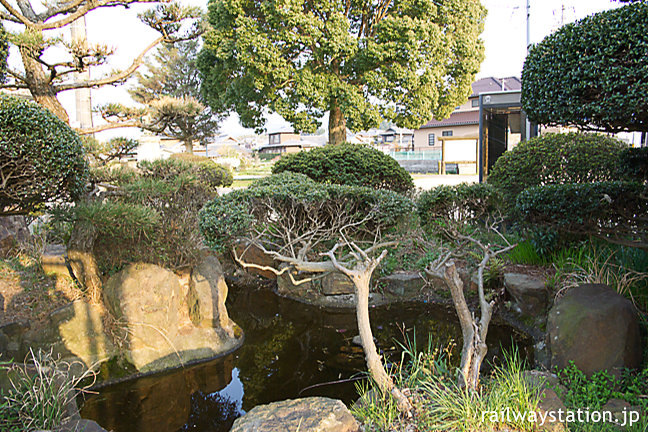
x=290, y=350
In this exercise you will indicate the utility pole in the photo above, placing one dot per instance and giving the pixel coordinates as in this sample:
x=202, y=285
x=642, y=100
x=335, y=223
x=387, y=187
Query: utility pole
x=528, y=47
x=83, y=98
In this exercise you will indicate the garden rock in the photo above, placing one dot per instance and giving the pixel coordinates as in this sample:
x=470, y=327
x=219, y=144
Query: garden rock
x=404, y=284
x=166, y=325
x=336, y=284
x=53, y=261
x=13, y=231
x=529, y=292
x=551, y=403
x=596, y=328
x=313, y=414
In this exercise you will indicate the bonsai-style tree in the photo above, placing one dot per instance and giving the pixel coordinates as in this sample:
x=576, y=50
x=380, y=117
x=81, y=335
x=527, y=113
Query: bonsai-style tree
x=41, y=158
x=314, y=229
x=591, y=74
x=170, y=93
x=466, y=215
x=46, y=72
x=362, y=61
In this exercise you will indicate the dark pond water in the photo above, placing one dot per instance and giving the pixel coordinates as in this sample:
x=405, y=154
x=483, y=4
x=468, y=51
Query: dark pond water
x=290, y=350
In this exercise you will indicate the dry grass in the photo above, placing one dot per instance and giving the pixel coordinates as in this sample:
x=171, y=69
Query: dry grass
x=27, y=293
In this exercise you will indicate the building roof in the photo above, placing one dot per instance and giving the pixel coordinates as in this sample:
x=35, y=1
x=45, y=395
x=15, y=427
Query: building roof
x=397, y=130
x=457, y=118
x=492, y=84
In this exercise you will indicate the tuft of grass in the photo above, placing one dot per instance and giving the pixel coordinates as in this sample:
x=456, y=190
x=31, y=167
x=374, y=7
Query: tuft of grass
x=440, y=404
x=38, y=392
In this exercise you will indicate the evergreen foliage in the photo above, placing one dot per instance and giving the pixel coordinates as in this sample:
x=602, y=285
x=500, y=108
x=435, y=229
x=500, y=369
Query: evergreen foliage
x=591, y=74
x=41, y=158
x=348, y=164
x=362, y=61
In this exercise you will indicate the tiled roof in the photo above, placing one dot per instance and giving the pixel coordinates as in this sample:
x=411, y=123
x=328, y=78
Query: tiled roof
x=492, y=84
x=457, y=118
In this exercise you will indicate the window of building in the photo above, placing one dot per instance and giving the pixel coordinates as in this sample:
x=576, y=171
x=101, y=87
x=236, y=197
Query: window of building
x=446, y=133
x=275, y=139
x=389, y=138
x=431, y=139
x=475, y=103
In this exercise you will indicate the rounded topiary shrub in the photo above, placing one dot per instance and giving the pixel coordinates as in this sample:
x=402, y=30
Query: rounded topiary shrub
x=348, y=164
x=41, y=158
x=461, y=203
x=556, y=159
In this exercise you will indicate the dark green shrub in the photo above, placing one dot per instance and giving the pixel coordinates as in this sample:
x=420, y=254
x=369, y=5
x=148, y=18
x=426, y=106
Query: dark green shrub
x=556, y=159
x=591, y=74
x=611, y=210
x=41, y=158
x=459, y=203
x=293, y=202
x=634, y=164
x=348, y=164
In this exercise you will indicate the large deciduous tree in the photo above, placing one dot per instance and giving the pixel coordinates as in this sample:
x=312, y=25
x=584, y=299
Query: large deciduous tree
x=361, y=60
x=169, y=92
x=592, y=74
x=50, y=63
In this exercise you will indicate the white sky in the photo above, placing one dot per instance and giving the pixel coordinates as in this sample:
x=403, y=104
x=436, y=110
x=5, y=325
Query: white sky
x=504, y=37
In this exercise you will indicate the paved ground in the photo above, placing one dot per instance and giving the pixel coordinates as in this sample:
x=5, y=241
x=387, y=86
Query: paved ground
x=433, y=180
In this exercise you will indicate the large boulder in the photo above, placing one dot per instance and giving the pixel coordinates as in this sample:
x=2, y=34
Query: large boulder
x=313, y=414
x=167, y=322
x=529, y=292
x=596, y=328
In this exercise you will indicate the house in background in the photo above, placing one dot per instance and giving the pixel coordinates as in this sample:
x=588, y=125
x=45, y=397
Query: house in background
x=288, y=141
x=400, y=139
x=455, y=142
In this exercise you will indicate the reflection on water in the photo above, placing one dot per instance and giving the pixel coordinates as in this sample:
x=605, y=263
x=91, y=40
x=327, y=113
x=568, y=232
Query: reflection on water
x=289, y=351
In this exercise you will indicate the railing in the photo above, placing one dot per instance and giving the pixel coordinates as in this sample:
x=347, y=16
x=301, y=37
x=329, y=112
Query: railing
x=416, y=155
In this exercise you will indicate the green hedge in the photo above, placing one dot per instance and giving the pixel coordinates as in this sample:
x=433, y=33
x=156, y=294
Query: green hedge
x=556, y=159
x=294, y=200
x=41, y=158
x=612, y=209
x=348, y=164
x=592, y=73
x=634, y=164
x=458, y=203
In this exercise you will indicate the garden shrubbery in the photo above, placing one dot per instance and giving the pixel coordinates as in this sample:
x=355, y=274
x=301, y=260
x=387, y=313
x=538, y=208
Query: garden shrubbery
x=319, y=209
x=348, y=164
x=556, y=159
x=460, y=203
x=147, y=214
x=41, y=158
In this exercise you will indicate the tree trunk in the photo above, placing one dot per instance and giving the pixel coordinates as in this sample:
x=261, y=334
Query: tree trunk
x=474, y=347
x=40, y=87
x=188, y=145
x=82, y=260
x=337, y=124
x=374, y=361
